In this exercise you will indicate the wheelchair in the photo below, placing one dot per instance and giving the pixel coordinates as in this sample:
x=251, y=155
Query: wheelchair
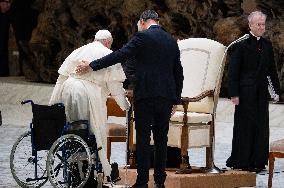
x=53, y=149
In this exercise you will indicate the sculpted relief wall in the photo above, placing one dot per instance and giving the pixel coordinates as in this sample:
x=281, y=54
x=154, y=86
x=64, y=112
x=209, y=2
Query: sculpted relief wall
x=64, y=25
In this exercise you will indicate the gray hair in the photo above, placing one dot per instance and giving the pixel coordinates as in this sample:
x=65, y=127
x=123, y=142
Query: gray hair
x=103, y=34
x=256, y=13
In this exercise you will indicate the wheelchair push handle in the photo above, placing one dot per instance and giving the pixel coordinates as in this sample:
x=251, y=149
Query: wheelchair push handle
x=27, y=101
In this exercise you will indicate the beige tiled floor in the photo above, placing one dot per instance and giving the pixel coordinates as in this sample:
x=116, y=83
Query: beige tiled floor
x=16, y=119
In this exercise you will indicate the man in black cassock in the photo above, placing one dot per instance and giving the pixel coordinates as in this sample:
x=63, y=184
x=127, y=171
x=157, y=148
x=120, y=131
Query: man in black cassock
x=251, y=61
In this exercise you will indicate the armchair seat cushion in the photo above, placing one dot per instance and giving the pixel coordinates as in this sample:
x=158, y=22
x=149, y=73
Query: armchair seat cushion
x=115, y=129
x=193, y=117
x=277, y=146
x=198, y=135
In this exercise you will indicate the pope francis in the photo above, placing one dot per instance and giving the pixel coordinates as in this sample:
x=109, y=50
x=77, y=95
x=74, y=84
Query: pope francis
x=84, y=96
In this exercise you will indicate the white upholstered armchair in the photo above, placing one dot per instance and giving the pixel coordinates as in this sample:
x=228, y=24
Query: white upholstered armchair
x=192, y=126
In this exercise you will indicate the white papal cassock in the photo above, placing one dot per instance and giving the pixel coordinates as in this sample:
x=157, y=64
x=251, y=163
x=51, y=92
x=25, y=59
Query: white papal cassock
x=84, y=96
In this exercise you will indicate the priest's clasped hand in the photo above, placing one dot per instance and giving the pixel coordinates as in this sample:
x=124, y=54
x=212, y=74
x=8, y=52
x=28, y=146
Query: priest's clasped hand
x=276, y=98
x=82, y=68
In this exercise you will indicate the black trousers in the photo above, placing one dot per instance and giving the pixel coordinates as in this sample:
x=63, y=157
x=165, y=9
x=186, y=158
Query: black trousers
x=152, y=114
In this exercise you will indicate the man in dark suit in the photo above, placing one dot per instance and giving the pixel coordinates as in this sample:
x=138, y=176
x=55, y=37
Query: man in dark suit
x=251, y=61
x=158, y=86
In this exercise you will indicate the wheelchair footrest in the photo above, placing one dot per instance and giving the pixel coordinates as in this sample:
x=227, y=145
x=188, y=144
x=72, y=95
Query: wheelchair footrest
x=35, y=179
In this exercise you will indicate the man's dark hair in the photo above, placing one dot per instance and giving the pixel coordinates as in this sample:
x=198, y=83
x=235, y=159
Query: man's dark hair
x=149, y=14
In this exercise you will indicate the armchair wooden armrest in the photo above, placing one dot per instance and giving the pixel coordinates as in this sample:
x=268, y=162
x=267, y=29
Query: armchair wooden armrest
x=186, y=100
x=207, y=93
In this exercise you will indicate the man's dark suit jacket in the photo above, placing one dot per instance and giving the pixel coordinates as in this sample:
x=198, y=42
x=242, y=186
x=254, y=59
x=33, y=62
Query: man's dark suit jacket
x=129, y=70
x=157, y=62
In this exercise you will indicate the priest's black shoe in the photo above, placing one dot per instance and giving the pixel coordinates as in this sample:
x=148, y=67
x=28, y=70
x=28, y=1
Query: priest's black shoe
x=114, y=175
x=253, y=169
x=159, y=186
x=257, y=169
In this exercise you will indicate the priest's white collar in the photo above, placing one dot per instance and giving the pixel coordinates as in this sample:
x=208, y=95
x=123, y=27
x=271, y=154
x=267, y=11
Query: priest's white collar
x=257, y=38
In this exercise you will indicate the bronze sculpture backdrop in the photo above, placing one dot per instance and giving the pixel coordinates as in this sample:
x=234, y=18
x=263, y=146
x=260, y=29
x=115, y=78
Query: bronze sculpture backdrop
x=64, y=25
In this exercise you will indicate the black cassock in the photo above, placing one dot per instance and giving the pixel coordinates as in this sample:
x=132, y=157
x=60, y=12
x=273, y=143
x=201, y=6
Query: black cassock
x=251, y=61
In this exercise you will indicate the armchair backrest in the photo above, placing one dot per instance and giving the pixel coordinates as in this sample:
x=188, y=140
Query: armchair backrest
x=203, y=63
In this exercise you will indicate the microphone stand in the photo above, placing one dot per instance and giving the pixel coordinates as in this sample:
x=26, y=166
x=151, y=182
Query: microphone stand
x=126, y=150
x=214, y=169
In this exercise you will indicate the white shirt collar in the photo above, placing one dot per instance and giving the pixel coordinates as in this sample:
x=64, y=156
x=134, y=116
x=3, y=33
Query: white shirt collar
x=151, y=25
x=257, y=38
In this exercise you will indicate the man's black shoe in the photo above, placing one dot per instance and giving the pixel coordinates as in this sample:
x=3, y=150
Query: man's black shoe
x=139, y=186
x=257, y=170
x=159, y=186
x=114, y=175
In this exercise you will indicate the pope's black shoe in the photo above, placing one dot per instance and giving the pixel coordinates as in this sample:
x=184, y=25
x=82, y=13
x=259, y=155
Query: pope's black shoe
x=114, y=175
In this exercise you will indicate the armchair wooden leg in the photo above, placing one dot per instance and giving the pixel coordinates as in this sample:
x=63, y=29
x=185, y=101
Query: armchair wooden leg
x=185, y=167
x=108, y=148
x=270, y=169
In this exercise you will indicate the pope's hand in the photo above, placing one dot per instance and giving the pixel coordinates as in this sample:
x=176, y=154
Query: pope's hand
x=127, y=104
x=83, y=68
x=174, y=109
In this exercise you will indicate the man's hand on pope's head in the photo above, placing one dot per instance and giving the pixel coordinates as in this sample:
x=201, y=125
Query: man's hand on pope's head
x=83, y=68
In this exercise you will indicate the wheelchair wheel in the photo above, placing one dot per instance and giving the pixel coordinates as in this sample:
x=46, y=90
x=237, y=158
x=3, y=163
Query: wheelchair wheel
x=27, y=169
x=69, y=162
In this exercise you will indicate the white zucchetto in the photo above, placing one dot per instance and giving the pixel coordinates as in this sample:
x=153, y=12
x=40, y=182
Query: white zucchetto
x=103, y=34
